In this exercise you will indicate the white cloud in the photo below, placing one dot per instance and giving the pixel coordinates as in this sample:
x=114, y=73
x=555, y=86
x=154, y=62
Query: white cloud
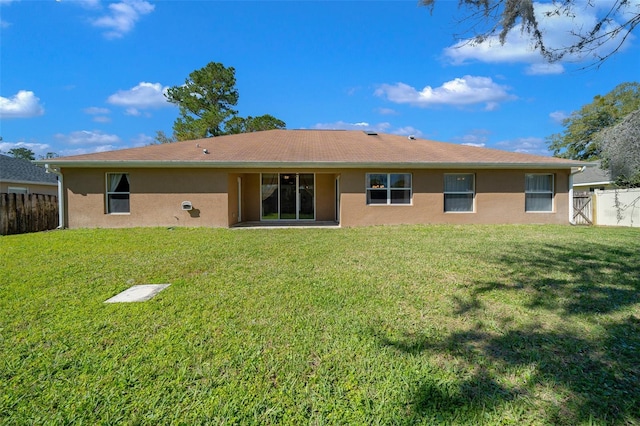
x=478, y=137
x=353, y=90
x=558, y=116
x=544, y=69
x=96, y=111
x=343, y=125
x=122, y=17
x=142, y=140
x=89, y=4
x=515, y=49
x=100, y=114
x=531, y=145
x=559, y=31
x=88, y=150
x=22, y=105
x=386, y=111
x=39, y=149
x=468, y=90
x=383, y=127
x=144, y=95
x=85, y=137
x=407, y=131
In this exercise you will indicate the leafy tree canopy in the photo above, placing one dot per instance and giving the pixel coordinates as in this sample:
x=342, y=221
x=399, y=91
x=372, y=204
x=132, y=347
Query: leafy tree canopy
x=24, y=153
x=161, y=138
x=253, y=124
x=499, y=17
x=621, y=150
x=578, y=141
x=206, y=101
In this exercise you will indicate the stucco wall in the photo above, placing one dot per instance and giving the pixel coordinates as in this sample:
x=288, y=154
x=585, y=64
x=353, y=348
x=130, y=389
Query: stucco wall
x=157, y=194
x=499, y=199
x=155, y=199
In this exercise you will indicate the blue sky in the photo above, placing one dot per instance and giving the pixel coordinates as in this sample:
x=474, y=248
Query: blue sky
x=88, y=76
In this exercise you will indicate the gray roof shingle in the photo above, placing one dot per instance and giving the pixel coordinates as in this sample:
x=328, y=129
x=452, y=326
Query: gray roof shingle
x=593, y=175
x=19, y=170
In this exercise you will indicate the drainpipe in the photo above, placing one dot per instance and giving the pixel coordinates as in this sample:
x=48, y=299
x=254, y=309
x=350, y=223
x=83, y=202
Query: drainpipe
x=571, y=212
x=56, y=171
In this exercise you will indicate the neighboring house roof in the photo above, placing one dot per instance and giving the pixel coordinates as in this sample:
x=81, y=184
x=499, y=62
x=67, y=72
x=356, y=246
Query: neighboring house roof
x=593, y=176
x=17, y=170
x=313, y=148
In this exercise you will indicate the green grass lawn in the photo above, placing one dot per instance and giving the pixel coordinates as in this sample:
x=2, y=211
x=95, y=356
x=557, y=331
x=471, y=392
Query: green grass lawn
x=382, y=325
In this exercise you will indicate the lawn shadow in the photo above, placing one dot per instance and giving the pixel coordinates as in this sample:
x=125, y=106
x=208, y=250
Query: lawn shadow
x=602, y=279
x=597, y=374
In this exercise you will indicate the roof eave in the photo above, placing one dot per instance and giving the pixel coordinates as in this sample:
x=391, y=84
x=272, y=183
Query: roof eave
x=604, y=182
x=304, y=164
x=28, y=182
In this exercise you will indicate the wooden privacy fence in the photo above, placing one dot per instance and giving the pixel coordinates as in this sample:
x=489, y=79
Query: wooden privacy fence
x=582, y=208
x=22, y=213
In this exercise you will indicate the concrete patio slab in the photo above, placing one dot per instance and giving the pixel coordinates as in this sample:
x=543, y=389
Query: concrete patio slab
x=138, y=293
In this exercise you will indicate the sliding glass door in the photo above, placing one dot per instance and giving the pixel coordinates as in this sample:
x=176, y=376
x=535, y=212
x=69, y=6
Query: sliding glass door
x=288, y=196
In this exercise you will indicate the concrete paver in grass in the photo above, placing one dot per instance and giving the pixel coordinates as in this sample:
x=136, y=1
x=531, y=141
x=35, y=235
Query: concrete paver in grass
x=138, y=293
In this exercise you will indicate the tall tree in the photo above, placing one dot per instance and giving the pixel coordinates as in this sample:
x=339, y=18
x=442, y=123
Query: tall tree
x=253, y=124
x=499, y=17
x=621, y=150
x=24, y=153
x=578, y=140
x=206, y=101
x=162, y=138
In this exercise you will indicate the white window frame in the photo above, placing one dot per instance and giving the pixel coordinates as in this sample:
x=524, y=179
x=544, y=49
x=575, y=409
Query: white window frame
x=389, y=189
x=108, y=193
x=472, y=192
x=551, y=193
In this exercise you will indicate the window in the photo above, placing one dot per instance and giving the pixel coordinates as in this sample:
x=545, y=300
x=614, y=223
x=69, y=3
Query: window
x=17, y=190
x=117, y=193
x=459, y=191
x=538, y=193
x=388, y=188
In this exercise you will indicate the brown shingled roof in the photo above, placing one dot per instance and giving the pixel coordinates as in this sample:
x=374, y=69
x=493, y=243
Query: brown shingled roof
x=313, y=148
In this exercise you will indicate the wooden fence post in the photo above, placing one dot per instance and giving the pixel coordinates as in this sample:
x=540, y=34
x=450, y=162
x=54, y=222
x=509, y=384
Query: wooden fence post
x=21, y=213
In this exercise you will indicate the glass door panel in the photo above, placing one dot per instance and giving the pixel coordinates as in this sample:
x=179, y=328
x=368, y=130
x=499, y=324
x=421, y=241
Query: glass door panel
x=306, y=191
x=269, y=196
x=288, y=196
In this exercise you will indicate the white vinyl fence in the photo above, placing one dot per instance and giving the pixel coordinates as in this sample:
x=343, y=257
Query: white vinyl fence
x=618, y=207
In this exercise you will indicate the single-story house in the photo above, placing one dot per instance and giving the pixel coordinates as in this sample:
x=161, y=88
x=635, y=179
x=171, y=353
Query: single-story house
x=350, y=178
x=593, y=178
x=19, y=176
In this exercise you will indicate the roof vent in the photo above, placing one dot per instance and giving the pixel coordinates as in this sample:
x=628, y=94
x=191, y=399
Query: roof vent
x=411, y=137
x=370, y=132
x=205, y=151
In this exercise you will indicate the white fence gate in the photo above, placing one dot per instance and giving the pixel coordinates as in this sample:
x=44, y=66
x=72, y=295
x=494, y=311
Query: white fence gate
x=582, y=208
